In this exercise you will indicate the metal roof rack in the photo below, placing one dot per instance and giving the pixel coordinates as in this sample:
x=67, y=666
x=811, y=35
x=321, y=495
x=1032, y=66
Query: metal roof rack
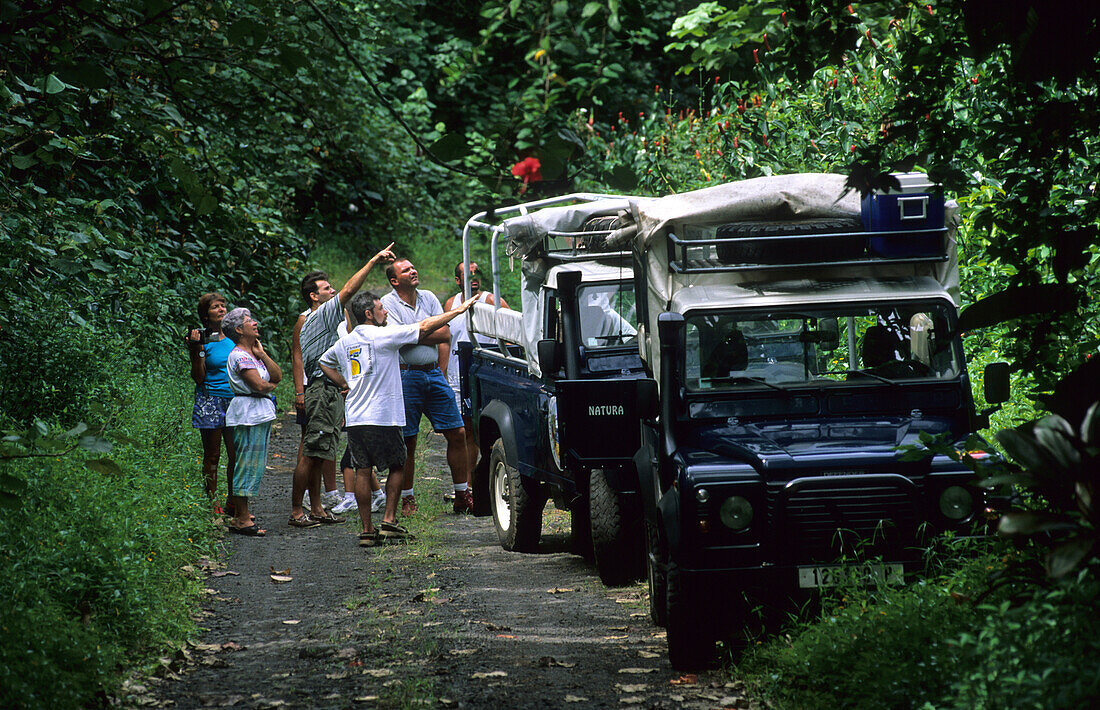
x=849, y=249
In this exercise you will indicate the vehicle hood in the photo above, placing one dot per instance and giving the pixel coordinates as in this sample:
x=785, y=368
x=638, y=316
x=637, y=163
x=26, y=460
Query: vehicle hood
x=806, y=444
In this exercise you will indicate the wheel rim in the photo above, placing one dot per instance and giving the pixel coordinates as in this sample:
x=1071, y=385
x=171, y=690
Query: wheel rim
x=501, y=509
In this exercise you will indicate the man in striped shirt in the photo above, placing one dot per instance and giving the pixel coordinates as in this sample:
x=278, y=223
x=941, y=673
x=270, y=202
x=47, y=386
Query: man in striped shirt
x=323, y=405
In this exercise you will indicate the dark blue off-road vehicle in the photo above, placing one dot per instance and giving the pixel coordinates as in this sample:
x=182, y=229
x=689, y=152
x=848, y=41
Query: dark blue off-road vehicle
x=793, y=352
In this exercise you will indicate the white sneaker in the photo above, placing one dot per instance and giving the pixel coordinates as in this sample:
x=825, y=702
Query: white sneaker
x=346, y=503
x=378, y=503
x=331, y=498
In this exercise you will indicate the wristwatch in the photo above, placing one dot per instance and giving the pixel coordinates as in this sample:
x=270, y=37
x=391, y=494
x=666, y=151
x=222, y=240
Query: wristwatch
x=202, y=353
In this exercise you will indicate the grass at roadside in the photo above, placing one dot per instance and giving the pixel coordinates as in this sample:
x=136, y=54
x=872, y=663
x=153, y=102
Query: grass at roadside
x=958, y=639
x=90, y=567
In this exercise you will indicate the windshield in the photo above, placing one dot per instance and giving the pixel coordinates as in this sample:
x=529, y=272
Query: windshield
x=607, y=314
x=837, y=344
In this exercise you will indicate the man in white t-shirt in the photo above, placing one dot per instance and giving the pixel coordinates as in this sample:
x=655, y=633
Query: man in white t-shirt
x=365, y=365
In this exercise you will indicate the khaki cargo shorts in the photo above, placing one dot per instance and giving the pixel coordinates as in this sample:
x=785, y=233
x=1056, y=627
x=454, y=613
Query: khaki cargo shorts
x=324, y=410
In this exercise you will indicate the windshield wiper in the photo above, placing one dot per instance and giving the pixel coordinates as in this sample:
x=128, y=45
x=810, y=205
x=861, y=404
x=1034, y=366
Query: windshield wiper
x=873, y=376
x=747, y=378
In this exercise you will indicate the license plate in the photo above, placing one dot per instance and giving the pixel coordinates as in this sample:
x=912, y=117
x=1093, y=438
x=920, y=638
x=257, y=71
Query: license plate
x=813, y=577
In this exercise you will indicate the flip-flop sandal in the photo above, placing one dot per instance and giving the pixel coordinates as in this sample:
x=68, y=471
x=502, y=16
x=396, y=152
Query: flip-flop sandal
x=369, y=539
x=306, y=521
x=328, y=518
x=393, y=531
x=250, y=531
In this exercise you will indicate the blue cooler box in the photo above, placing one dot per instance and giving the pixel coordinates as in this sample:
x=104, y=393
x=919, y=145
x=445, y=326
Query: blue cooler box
x=912, y=214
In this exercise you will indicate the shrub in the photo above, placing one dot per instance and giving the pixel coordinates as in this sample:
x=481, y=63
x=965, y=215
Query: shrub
x=91, y=565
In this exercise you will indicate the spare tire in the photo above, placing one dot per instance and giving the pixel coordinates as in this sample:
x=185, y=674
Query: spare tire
x=756, y=244
x=605, y=223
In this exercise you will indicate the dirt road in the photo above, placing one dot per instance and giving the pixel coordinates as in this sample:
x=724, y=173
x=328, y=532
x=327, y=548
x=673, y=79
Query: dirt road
x=449, y=620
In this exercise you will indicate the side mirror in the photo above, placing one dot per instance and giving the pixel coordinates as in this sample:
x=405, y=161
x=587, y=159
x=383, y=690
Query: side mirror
x=549, y=356
x=649, y=401
x=996, y=384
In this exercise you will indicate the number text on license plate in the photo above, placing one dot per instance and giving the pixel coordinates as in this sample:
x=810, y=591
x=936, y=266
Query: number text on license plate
x=810, y=577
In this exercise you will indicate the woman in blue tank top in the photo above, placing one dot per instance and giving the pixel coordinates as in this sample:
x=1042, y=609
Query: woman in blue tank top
x=209, y=350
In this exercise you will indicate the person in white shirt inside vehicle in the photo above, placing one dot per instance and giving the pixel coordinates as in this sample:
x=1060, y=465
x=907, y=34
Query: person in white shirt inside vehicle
x=365, y=366
x=460, y=333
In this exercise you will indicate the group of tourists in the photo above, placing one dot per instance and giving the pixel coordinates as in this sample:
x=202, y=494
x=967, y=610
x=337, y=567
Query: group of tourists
x=368, y=365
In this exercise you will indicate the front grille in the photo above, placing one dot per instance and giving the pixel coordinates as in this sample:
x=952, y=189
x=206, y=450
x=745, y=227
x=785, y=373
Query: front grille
x=822, y=520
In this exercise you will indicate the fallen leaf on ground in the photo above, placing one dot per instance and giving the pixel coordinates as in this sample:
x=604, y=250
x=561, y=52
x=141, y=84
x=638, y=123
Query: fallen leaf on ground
x=550, y=662
x=637, y=670
x=225, y=573
x=463, y=651
x=366, y=699
x=281, y=578
x=561, y=590
x=685, y=679
x=280, y=571
x=614, y=638
x=378, y=672
x=231, y=646
x=291, y=622
x=632, y=687
x=632, y=700
x=648, y=654
x=505, y=636
x=575, y=699
x=490, y=674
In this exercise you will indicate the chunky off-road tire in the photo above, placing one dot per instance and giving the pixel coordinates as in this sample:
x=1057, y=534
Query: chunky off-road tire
x=617, y=543
x=690, y=638
x=656, y=559
x=758, y=248
x=516, y=502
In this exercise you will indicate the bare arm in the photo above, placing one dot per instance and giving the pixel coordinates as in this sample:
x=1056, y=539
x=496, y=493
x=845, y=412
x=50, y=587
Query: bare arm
x=273, y=370
x=198, y=364
x=439, y=336
x=444, y=355
x=336, y=377
x=297, y=369
x=355, y=282
x=257, y=384
x=435, y=324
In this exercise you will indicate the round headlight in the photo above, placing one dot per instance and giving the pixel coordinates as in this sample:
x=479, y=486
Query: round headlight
x=956, y=503
x=736, y=513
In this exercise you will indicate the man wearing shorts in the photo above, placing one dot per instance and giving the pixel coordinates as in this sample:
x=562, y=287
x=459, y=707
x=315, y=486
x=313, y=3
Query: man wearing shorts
x=365, y=365
x=425, y=388
x=323, y=406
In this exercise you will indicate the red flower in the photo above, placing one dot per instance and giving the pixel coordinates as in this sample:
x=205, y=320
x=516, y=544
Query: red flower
x=755, y=57
x=783, y=16
x=528, y=171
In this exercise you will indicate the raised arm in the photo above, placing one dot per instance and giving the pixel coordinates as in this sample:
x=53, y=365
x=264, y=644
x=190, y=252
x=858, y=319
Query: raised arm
x=356, y=282
x=433, y=324
x=198, y=362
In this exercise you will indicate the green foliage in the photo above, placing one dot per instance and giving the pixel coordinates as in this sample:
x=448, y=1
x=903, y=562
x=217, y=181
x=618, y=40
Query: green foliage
x=1040, y=652
x=955, y=640
x=839, y=658
x=91, y=565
